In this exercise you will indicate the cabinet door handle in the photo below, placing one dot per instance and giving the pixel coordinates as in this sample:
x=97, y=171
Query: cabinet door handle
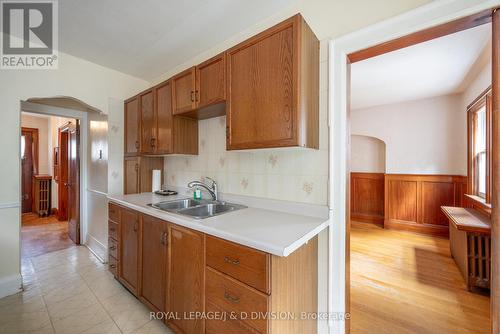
x=192, y=96
x=152, y=142
x=136, y=167
x=136, y=226
x=231, y=261
x=231, y=298
x=196, y=95
x=137, y=144
x=163, y=238
x=112, y=247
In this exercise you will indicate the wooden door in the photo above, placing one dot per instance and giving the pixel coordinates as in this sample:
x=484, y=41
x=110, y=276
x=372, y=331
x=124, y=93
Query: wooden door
x=132, y=126
x=154, y=262
x=148, y=123
x=62, y=190
x=73, y=184
x=164, y=118
x=183, y=92
x=261, y=103
x=211, y=81
x=495, y=174
x=186, y=290
x=131, y=175
x=29, y=158
x=129, y=250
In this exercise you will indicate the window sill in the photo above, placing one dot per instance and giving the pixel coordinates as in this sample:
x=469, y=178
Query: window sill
x=479, y=201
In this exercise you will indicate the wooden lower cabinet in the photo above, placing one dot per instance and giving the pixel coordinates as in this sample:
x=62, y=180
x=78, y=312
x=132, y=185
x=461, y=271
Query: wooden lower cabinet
x=187, y=291
x=197, y=278
x=154, y=259
x=129, y=250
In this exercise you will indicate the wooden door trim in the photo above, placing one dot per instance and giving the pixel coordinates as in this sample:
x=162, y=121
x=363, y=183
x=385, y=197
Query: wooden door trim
x=422, y=36
x=34, y=134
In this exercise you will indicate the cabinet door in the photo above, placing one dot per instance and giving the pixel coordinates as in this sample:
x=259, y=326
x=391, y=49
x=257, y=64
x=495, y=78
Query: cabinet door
x=163, y=109
x=186, y=291
x=183, y=92
x=132, y=128
x=262, y=91
x=211, y=81
x=154, y=262
x=148, y=123
x=131, y=175
x=129, y=250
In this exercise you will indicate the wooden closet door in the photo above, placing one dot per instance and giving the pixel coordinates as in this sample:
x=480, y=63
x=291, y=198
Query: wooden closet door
x=211, y=81
x=186, y=291
x=129, y=250
x=154, y=262
x=262, y=90
x=163, y=109
x=183, y=91
x=132, y=126
x=148, y=123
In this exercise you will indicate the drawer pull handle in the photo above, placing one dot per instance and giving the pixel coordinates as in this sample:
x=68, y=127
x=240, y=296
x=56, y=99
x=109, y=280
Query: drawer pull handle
x=231, y=261
x=112, y=247
x=112, y=211
x=112, y=229
x=112, y=266
x=231, y=298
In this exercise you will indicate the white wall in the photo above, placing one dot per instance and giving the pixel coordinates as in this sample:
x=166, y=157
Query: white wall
x=42, y=124
x=75, y=77
x=426, y=136
x=477, y=85
x=367, y=154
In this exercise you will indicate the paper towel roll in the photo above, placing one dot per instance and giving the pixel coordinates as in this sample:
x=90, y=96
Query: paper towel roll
x=156, y=180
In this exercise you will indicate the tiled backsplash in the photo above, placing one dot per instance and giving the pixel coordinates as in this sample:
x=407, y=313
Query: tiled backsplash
x=292, y=174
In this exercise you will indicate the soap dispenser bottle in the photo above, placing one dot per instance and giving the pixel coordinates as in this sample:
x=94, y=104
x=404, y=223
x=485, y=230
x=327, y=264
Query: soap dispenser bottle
x=197, y=193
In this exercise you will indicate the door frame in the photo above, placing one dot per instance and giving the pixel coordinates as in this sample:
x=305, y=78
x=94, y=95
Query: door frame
x=422, y=18
x=35, y=157
x=83, y=118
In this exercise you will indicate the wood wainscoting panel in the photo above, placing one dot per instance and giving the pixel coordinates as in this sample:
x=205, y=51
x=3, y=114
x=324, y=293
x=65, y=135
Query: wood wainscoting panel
x=367, y=197
x=413, y=202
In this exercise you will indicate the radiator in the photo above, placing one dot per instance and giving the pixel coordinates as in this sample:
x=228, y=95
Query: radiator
x=479, y=257
x=42, y=192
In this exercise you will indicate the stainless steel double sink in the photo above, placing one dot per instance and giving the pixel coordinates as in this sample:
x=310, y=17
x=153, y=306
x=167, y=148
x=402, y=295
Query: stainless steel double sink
x=198, y=209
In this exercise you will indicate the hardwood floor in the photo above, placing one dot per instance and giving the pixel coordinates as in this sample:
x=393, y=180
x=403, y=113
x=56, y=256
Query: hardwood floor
x=408, y=283
x=43, y=235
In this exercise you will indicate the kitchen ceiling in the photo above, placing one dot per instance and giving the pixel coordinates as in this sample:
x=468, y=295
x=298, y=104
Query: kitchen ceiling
x=148, y=37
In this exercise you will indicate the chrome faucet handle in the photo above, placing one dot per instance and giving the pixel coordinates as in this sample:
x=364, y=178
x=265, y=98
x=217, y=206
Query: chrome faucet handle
x=214, y=184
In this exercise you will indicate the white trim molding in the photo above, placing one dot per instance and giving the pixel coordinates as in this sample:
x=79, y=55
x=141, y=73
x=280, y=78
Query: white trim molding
x=10, y=285
x=97, y=192
x=10, y=205
x=97, y=248
x=429, y=15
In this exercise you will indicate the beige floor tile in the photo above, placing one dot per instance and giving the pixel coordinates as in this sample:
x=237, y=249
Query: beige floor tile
x=154, y=327
x=127, y=312
x=81, y=321
x=25, y=322
x=107, y=327
x=71, y=305
x=67, y=291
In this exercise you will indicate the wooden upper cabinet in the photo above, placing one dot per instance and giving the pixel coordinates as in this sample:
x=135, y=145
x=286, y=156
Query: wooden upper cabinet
x=183, y=91
x=131, y=175
x=273, y=88
x=132, y=126
x=148, y=122
x=129, y=250
x=164, y=118
x=154, y=262
x=211, y=81
x=186, y=277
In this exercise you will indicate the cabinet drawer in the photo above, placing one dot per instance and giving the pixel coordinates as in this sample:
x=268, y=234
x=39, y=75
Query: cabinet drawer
x=233, y=296
x=114, y=212
x=113, y=265
x=113, y=248
x=243, y=263
x=112, y=230
x=228, y=326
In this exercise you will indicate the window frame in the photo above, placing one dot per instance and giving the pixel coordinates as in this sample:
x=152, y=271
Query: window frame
x=483, y=100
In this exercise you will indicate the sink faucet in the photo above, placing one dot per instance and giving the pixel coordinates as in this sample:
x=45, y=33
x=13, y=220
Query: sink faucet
x=211, y=189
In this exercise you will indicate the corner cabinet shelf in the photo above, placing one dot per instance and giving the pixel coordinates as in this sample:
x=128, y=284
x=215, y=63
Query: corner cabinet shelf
x=273, y=89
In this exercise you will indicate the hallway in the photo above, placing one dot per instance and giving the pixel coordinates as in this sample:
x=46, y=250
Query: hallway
x=409, y=283
x=43, y=235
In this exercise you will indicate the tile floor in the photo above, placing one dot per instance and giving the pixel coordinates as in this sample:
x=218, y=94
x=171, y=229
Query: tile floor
x=70, y=291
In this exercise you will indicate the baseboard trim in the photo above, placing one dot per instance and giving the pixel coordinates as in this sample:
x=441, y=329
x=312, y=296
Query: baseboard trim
x=10, y=285
x=428, y=229
x=97, y=248
x=365, y=218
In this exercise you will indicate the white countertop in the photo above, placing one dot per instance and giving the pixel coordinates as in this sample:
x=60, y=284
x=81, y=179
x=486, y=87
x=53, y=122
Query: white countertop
x=274, y=232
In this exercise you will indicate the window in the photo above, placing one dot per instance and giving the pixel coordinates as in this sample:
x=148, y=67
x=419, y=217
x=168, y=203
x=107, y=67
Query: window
x=479, y=142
